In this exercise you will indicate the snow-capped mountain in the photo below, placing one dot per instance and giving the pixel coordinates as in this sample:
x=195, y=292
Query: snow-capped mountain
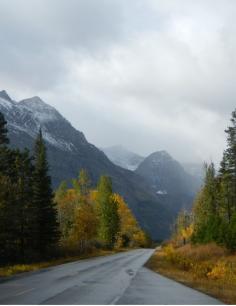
x=31, y=114
x=122, y=157
x=69, y=152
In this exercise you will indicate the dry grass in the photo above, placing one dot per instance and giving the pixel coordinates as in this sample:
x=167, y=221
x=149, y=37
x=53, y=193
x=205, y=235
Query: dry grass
x=208, y=268
x=20, y=268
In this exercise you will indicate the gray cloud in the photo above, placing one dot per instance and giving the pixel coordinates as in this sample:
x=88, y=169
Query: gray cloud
x=37, y=36
x=150, y=75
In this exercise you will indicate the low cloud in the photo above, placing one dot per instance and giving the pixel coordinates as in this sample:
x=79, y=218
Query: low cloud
x=146, y=74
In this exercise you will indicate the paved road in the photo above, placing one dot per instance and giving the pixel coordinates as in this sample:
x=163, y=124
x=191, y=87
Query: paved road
x=115, y=279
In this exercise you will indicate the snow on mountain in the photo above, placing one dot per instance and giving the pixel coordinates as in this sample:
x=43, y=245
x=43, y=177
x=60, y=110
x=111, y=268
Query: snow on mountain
x=30, y=115
x=39, y=109
x=122, y=157
x=4, y=95
x=162, y=192
x=68, y=152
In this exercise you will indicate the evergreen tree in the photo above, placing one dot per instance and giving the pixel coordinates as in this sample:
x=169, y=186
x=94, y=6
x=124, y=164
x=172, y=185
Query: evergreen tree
x=206, y=209
x=16, y=217
x=108, y=210
x=46, y=231
x=231, y=234
x=8, y=214
x=225, y=188
x=3, y=131
x=6, y=156
x=23, y=197
x=229, y=161
x=215, y=207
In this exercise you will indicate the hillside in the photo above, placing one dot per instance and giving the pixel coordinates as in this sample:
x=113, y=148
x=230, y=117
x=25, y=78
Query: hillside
x=168, y=179
x=69, y=151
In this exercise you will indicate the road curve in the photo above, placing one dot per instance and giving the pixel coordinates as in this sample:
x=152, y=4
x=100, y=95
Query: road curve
x=114, y=279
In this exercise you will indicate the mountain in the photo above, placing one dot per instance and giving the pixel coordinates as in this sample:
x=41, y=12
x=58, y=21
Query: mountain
x=122, y=157
x=169, y=180
x=69, y=151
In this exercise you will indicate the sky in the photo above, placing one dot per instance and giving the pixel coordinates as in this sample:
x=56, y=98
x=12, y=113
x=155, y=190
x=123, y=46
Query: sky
x=147, y=74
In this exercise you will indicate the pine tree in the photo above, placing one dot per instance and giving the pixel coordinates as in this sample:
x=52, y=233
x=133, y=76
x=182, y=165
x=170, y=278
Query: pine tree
x=46, y=231
x=230, y=162
x=8, y=214
x=8, y=208
x=215, y=208
x=23, y=197
x=108, y=209
x=6, y=156
x=225, y=187
x=3, y=131
x=206, y=209
x=15, y=200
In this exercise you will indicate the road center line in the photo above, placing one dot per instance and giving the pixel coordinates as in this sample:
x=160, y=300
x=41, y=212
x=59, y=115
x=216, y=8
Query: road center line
x=23, y=292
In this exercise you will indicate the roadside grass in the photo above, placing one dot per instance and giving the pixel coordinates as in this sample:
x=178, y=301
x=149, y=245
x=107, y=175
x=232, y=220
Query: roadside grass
x=207, y=268
x=11, y=270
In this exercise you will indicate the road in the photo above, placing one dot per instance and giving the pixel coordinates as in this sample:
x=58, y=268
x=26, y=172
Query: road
x=114, y=279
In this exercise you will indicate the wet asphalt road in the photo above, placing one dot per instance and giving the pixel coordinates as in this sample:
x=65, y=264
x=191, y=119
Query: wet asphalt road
x=114, y=279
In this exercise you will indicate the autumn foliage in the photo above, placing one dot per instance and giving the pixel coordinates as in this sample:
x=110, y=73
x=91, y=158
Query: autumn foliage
x=96, y=217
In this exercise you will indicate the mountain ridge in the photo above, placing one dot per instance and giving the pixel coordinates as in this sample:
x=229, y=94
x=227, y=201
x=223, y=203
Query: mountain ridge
x=69, y=152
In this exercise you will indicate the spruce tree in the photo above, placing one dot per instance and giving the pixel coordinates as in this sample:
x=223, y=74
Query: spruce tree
x=206, y=209
x=109, y=218
x=23, y=198
x=15, y=200
x=230, y=160
x=8, y=215
x=3, y=130
x=6, y=157
x=8, y=220
x=46, y=232
x=225, y=188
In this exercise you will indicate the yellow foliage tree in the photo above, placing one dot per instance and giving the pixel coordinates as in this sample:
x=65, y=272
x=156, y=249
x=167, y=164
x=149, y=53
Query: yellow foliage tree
x=130, y=232
x=85, y=224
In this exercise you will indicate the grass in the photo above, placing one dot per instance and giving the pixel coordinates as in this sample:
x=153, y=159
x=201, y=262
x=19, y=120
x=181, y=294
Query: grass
x=208, y=268
x=20, y=268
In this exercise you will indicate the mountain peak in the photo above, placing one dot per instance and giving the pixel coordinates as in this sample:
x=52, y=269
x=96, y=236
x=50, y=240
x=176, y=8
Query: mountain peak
x=40, y=109
x=160, y=155
x=35, y=102
x=4, y=95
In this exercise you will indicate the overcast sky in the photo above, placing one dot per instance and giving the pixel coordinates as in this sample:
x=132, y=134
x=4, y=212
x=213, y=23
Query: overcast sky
x=149, y=75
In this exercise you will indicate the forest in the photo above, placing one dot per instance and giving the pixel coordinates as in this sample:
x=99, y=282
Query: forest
x=202, y=250
x=213, y=217
x=38, y=223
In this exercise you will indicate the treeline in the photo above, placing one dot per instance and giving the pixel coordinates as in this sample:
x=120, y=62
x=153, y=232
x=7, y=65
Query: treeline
x=213, y=218
x=28, y=214
x=96, y=217
x=35, y=224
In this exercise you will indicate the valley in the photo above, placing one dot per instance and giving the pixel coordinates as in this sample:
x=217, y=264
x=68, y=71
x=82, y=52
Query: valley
x=69, y=152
